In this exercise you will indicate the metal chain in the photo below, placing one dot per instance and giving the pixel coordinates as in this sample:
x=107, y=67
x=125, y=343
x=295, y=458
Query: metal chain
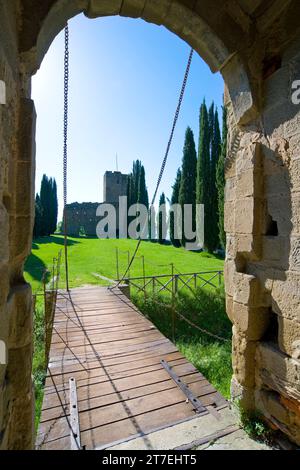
x=186, y=75
x=163, y=166
x=65, y=148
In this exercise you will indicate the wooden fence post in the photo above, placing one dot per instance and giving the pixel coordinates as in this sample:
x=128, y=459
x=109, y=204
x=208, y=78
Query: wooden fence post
x=117, y=261
x=144, y=276
x=173, y=306
x=176, y=283
x=128, y=258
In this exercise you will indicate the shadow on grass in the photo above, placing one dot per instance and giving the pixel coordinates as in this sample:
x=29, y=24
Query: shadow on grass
x=35, y=267
x=212, y=357
x=58, y=240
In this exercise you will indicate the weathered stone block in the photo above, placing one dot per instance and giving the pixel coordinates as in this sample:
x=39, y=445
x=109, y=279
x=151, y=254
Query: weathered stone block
x=274, y=249
x=156, y=10
x=229, y=273
x=289, y=337
x=230, y=247
x=243, y=395
x=286, y=295
x=249, y=158
x=279, y=209
x=277, y=371
x=295, y=254
x=103, y=8
x=229, y=217
x=229, y=307
x=20, y=241
x=230, y=189
x=25, y=175
x=4, y=229
x=294, y=213
x=20, y=316
x=245, y=216
x=243, y=359
x=247, y=290
x=277, y=87
x=295, y=173
x=21, y=428
x=251, y=321
x=249, y=245
x=271, y=406
x=132, y=8
x=27, y=128
x=245, y=184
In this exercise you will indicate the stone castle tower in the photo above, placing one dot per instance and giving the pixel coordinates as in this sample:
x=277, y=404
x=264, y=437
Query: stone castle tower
x=81, y=217
x=114, y=186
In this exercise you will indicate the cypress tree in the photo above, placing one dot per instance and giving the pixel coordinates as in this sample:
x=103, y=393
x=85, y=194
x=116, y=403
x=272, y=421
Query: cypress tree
x=187, y=191
x=203, y=170
x=215, y=155
x=220, y=179
x=45, y=198
x=162, y=219
x=136, y=188
x=142, y=188
x=53, y=206
x=175, y=200
x=37, y=230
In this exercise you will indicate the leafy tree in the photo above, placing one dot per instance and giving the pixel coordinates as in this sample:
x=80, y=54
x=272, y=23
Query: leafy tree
x=162, y=219
x=175, y=200
x=220, y=179
x=187, y=191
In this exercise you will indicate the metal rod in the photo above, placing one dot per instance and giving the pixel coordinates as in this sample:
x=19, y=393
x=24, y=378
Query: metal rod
x=74, y=417
x=194, y=401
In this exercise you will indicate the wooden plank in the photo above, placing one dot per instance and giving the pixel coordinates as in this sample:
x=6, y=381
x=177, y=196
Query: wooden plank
x=200, y=387
x=118, y=412
x=86, y=377
x=146, y=373
x=113, y=353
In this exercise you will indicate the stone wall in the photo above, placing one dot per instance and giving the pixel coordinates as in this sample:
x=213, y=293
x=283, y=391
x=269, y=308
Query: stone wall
x=255, y=45
x=82, y=216
x=262, y=213
x=17, y=129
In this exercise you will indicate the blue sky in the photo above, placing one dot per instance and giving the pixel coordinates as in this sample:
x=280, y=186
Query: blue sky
x=125, y=80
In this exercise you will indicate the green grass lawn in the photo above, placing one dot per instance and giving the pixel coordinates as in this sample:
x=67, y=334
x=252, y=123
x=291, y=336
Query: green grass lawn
x=91, y=255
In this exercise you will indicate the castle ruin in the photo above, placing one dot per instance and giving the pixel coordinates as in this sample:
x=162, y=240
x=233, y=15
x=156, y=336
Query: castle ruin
x=82, y=218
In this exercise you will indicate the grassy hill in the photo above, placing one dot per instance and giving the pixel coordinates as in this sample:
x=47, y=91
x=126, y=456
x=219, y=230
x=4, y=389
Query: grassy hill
x=91, y=255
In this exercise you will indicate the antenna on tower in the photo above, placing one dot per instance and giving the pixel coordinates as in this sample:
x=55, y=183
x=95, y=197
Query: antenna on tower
x=117, y=163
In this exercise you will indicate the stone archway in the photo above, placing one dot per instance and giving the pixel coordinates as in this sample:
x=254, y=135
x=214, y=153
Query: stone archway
x=255, y=46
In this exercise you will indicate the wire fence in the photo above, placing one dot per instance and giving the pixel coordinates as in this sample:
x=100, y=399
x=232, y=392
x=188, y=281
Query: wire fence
x=153, y=287
x=49, y=288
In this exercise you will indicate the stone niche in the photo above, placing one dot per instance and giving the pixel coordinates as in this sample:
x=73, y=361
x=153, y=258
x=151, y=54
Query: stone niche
x=255, y=45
